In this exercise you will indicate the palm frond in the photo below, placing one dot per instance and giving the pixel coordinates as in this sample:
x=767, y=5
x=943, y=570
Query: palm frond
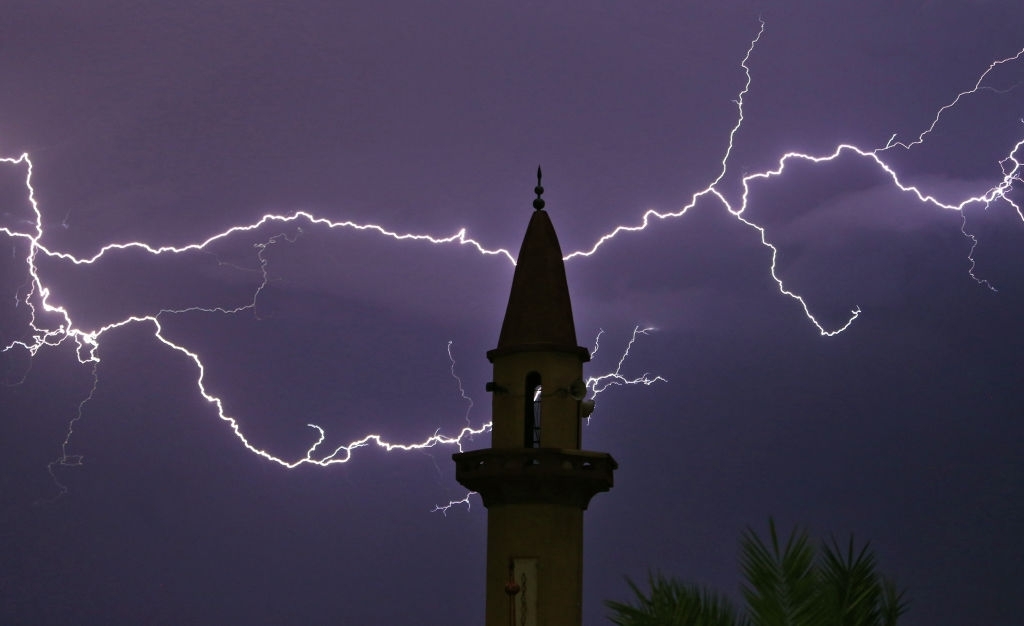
x=672, y=603
x=780, y=584
x=893, y=604
x=851, y=586
x=790, y=584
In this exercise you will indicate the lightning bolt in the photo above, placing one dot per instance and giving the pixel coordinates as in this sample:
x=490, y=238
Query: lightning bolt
x=594, y=384
x=1010, y=174
x=38, y=298
x=50, y=323
x=978, y=86
x=458, y=382
x=598, y=384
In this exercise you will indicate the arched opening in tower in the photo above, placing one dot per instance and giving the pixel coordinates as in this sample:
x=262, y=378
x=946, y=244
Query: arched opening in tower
x=532, y=411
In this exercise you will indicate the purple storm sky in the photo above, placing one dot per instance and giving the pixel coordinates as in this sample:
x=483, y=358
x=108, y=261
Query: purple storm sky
x=170, y=122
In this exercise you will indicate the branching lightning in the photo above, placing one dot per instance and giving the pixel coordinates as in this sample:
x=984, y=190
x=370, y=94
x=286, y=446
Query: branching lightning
x=458, y=381
x=598, y=384
x=38, y=298
x=594, y=384
x=1010, y=174
x=963, y=94
x=50, y=323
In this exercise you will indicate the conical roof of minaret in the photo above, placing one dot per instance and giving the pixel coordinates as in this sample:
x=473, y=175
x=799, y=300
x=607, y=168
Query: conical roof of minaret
x=539, y=312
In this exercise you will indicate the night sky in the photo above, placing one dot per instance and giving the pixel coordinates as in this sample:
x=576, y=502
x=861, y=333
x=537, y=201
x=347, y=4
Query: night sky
x=168, y=123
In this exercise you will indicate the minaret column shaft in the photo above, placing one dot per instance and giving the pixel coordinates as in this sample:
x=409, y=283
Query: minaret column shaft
x=548, y=539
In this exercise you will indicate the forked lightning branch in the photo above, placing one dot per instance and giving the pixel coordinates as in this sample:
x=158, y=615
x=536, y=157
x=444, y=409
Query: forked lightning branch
x=52, y=324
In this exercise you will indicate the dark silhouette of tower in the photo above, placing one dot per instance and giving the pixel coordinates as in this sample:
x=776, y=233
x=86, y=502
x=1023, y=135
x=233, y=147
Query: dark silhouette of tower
x=534, y=479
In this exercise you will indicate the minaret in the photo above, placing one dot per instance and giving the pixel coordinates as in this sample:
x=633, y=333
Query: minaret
x=534, y=479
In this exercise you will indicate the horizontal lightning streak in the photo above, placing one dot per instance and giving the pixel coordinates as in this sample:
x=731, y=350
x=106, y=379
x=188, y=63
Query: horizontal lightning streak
x=88, y=341
x=458, y=237
x=35, y=293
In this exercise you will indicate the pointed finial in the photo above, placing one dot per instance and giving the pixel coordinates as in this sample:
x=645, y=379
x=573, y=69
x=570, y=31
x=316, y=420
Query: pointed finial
x=539, y=202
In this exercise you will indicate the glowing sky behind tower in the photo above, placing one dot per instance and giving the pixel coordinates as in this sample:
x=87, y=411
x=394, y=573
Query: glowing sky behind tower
x=323, y=202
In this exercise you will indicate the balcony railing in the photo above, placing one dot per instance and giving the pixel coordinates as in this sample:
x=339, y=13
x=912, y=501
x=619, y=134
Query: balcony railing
x=550, y=475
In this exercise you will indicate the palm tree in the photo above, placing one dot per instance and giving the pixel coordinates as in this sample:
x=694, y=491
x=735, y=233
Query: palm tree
x=794, y=584
x=671, y=603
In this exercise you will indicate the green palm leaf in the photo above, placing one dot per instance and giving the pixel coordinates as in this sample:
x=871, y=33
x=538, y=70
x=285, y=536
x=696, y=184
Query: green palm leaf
x=850, y=584
x=781, y=584
x=794, y=584
x=671, y=603
x=894, y=603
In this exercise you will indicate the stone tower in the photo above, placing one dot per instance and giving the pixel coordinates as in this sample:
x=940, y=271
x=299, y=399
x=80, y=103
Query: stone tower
x=534, y=479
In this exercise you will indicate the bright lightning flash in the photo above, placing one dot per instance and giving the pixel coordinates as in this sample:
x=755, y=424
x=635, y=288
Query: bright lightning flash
x=38, y=299
x=594, y=384
x=1009, y=166
x=50, y=323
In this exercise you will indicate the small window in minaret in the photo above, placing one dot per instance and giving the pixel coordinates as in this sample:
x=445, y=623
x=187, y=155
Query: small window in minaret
x=531, y=421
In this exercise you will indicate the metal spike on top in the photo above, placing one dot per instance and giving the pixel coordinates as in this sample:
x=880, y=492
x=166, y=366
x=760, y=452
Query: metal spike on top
x=538, y=203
